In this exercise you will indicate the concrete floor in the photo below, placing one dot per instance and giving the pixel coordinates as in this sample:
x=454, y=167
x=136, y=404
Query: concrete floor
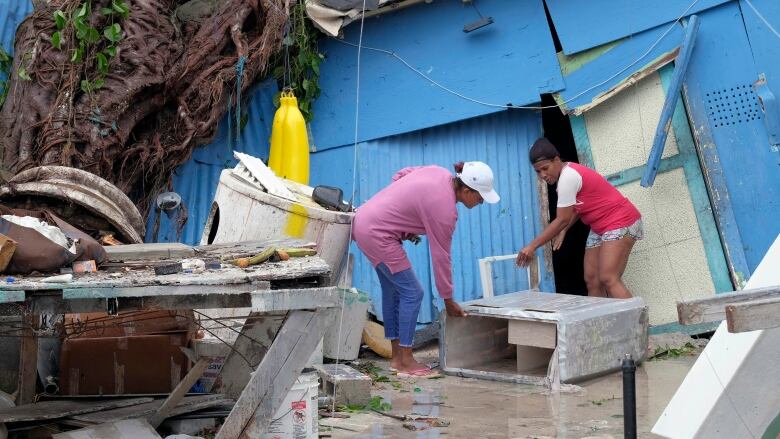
x=486, y=409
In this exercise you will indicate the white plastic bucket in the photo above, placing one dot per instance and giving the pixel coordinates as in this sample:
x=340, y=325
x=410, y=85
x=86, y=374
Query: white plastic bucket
x=298, y=417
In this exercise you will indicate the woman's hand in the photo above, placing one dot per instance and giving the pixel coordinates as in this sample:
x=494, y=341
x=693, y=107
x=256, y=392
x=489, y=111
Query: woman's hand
x=558, y=240
x=453, y=309
x=525, y=256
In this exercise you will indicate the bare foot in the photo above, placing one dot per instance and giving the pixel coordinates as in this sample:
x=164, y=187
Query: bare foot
x=412, y=366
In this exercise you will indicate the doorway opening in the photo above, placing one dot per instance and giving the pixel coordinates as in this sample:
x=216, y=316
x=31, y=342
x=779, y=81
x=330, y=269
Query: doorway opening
x=568, y=260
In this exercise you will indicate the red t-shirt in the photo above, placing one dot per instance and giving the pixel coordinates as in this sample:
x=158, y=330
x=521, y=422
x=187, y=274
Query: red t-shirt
x=597, y=202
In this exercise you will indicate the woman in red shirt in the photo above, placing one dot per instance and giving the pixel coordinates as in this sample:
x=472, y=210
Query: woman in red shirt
x=615, y=223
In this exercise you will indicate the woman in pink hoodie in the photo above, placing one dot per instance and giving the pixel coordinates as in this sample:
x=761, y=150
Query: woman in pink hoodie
x=419, y=201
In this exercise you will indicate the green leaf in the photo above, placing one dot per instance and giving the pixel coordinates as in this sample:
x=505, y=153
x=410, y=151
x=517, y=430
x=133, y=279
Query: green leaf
x=113, y=33
x=86, y=86
x=55, y=40
x=102, y=63
x=98, y=84
x=83, y=11
x=278, y=72
x=60, y=19
x=77, y=56
x=106, y=11
x=306, y=84
x=93, y=36
x=120, y=7
x=111, y=51
x=82, y=29
x=22, y=74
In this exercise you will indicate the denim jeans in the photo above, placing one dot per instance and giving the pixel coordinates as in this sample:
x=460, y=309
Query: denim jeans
x=402, y=296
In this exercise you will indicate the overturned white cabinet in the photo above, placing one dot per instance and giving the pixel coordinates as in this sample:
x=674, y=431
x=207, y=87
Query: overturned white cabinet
x=543, y=338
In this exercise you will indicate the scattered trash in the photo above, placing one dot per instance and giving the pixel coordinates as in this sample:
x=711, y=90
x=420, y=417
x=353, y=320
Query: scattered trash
x=84, y=267
x=172, y=268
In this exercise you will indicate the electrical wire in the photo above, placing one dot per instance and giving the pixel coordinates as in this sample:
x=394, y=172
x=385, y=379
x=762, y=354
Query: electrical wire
x=355, y=156
x=525, y=107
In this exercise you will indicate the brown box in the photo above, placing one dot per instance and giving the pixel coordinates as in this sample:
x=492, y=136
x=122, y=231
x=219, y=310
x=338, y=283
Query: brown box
x=123, y=365
x=7, y=249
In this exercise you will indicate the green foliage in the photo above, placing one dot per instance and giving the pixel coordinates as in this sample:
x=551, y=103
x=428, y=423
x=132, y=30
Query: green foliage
x=376, y=403
x=667, y=352
x=301, y=51
x=88, y=45
x=5, y=72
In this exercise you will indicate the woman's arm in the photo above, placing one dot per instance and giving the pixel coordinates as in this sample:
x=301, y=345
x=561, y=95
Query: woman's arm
x=564, y=217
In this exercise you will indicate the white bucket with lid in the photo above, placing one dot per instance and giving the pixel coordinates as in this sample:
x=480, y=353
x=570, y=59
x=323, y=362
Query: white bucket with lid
x=298, y=417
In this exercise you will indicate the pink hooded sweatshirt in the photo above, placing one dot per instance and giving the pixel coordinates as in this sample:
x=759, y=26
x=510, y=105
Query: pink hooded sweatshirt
x=421, y=201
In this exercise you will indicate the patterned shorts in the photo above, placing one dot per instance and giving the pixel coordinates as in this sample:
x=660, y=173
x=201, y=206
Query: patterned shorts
x=635, y=231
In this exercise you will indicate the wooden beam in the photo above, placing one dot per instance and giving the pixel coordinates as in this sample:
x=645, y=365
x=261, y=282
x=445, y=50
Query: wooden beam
x=713, y=309
x=276, y=374
x=181, y=389
x=28, y=361
x=137, y=252
x=753, y=315
x=256, y=337
x=670, y=103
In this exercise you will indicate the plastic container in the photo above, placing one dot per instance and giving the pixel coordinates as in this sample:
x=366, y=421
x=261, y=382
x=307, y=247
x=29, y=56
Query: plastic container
x=298, y=416
x=242, y=212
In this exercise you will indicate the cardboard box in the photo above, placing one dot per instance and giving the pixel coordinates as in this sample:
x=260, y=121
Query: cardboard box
x=7, y=249
x=123, y=365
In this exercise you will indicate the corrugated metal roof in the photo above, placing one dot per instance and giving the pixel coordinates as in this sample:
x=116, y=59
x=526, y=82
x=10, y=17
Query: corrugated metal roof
x=602, y=21
x=511, y=61
x=502, y=141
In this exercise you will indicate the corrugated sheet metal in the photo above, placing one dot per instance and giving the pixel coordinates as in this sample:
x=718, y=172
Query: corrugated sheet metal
x=602, y=21
x=12, y=12
x=511, y=61
x=585, y=74
x=196, y=181
x=502, y=141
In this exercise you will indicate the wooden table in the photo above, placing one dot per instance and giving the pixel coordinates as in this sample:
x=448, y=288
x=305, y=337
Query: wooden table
x=293, y=286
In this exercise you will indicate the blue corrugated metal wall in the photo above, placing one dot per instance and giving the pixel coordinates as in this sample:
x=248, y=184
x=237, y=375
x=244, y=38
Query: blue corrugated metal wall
x=502, y=141
x=196, y=181
x=12, y=12
x=510, y=61
x=719, y=80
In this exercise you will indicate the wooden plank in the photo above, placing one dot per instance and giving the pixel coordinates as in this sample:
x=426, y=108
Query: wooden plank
x=713, y=309
x=256, y=337
x=276, y=374
x=28, y=361
x=126, y=429
x=178, y=393
x=186, y=405
x=137, y=252
x=753, y=315
x=299, y=298
x=533, y=333
x=62, y=408
x=55, y=304
x=162, y=290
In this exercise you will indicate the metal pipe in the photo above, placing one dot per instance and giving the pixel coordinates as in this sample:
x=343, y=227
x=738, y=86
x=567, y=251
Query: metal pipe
x=629, y=397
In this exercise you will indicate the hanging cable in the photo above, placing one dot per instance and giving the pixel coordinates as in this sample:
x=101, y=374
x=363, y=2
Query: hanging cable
x=525, y=107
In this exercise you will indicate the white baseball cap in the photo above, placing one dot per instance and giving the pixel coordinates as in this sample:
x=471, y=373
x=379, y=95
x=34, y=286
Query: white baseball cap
x=479, y=176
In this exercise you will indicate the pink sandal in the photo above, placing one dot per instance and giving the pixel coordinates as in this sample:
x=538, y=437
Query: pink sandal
x=420, y=373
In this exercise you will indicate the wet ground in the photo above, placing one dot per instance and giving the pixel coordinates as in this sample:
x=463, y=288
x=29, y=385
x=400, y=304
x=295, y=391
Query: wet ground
x=486, y=409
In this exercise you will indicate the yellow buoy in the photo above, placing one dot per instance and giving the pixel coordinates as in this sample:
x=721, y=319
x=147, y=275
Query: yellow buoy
x=289, y=156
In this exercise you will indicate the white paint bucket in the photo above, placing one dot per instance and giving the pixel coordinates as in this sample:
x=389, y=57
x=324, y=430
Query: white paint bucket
x=298, y=417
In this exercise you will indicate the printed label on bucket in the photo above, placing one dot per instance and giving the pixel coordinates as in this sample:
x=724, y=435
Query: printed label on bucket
x=298, y=405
